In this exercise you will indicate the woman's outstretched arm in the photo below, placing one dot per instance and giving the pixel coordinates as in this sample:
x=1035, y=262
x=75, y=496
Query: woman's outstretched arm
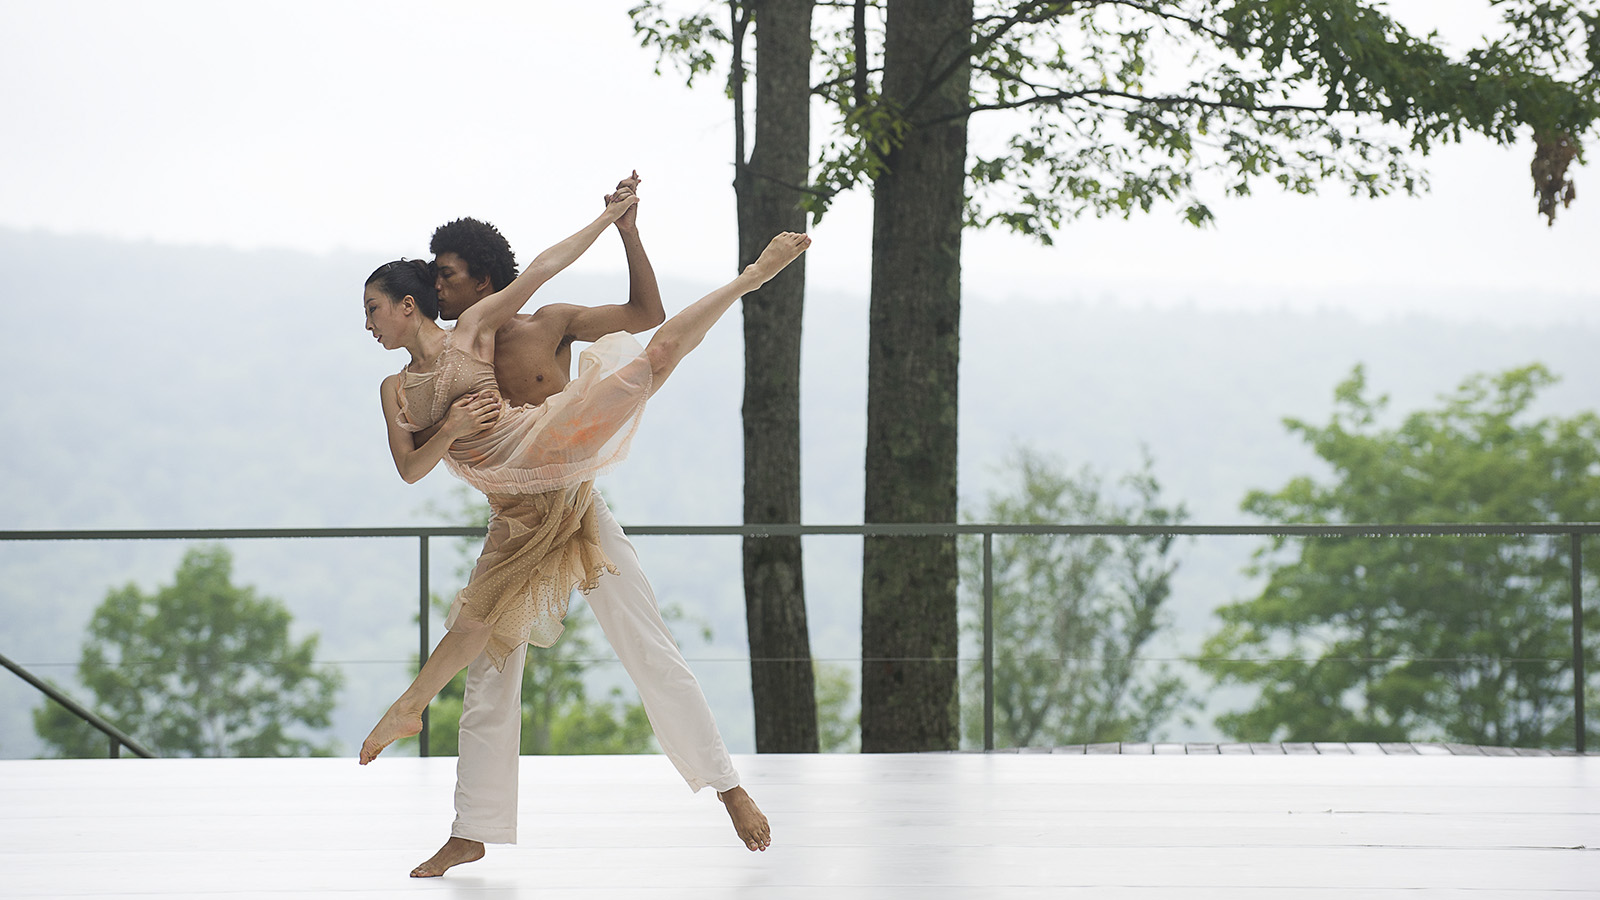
x=476, y=327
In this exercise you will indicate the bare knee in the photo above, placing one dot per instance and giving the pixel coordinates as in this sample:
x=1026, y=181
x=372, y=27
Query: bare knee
x=663, y=356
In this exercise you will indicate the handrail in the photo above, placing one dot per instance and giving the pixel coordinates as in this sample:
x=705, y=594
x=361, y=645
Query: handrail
x=118, y=738
x=876, y=529
x=1574, y=530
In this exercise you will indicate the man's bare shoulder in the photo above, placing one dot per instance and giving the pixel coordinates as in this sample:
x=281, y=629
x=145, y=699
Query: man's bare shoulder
x=540, y=322
x=557, y=313
x=551, y=316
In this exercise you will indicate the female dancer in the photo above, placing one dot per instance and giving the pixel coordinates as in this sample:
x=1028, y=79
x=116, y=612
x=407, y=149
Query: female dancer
x=536, y=464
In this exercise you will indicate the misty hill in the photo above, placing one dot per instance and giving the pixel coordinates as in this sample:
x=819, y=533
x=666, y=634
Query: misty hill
x=160, y=387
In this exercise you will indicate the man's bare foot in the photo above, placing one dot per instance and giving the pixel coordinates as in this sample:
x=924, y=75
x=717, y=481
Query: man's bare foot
x=782, y=250
x=454, y=852
x=747, y=818
x=394, y=725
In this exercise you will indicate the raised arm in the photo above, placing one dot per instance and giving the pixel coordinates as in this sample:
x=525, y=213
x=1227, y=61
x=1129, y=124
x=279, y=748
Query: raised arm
x=643, y=311
x=476, y=327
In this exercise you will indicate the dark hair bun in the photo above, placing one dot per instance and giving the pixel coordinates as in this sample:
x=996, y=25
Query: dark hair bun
x=408, y=277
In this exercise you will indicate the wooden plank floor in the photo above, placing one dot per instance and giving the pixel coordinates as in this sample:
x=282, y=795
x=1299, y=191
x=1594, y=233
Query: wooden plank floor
x=887, y=827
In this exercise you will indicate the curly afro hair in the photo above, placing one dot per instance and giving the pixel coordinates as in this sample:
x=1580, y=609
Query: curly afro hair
x=481, y=246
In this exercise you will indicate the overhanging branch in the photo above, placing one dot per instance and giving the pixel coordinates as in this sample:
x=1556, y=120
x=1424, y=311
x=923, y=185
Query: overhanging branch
x=1158, y=100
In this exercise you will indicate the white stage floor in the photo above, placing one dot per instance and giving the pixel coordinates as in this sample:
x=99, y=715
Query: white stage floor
x=926, y=826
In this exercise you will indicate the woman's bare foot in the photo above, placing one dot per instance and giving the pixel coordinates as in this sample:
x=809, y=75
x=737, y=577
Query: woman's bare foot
x=747, y=818
x=454, y=852
x=782, y=250
x=394, y=725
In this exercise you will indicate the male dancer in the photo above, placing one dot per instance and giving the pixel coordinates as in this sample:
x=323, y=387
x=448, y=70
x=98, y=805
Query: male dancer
x=533, y=361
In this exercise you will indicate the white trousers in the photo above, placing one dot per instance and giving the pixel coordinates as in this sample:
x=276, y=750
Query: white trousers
x=491, y=712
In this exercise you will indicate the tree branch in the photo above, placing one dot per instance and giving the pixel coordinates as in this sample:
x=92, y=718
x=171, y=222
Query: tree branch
x=821, y=87
x=975, y=47
x=798, y=188
x=860, y=36
x=1194, y=24
x=1167, y=100
x=1029, y=13
x=740, y=14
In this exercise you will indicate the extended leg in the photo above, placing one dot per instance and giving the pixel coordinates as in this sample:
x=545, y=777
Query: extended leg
x=486, y=772
x=625, y=606
x=684, y=331
x=404, y=718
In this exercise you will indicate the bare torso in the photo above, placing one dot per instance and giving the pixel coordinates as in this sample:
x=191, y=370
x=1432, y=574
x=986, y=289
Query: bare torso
x=532, y=358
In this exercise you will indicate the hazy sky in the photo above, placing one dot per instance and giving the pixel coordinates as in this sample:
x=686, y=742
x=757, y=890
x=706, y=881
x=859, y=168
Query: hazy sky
x=361, y=125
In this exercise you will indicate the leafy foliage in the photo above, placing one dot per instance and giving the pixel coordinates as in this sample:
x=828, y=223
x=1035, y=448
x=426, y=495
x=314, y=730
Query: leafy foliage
x=1393, y=639
x=1073, y=612
x=1112, y=107
x=687, y=41
x=1107, y=107
x=838, y=718
x=200, y=667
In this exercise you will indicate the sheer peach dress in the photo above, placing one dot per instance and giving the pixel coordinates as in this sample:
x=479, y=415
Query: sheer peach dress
x=536, y=465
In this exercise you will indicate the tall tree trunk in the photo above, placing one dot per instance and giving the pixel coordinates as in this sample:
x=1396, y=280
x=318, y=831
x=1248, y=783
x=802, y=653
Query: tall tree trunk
x=909, y=697
x=768, y=198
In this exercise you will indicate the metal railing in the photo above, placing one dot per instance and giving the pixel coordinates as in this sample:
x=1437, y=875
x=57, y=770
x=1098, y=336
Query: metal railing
x=118, y=738
x=1575, y=533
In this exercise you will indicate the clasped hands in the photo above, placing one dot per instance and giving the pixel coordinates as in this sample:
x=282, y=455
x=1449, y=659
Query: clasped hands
x=627, y=192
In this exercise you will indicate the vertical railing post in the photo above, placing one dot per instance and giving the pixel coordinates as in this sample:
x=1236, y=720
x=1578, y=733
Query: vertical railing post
x=1577, y=641
x=988, y=640
x=116, y=749
x=422, y=632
